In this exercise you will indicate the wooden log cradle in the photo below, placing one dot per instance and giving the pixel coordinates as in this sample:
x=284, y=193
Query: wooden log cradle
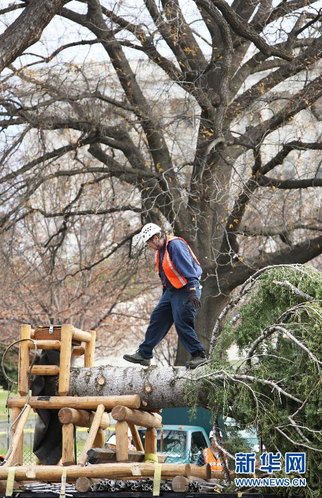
x=76, y=411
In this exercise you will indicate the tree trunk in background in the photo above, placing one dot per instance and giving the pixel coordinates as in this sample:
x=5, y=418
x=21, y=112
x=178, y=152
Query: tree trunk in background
x=158, y=387
x=205, y=319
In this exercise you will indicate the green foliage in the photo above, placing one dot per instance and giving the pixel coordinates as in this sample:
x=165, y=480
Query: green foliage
x=270, y=299
x=277, y=389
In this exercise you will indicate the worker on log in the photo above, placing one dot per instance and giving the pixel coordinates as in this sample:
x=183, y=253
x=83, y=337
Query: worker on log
x=180, y=272
x=210, y=455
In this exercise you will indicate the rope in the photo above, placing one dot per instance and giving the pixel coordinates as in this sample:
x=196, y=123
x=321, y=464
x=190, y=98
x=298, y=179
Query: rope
x=12, y=381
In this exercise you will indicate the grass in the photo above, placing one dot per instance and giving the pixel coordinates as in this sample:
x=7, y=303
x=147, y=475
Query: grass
x=3, y=409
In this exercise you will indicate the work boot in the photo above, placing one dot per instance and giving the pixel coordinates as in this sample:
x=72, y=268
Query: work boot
x=198, y=358
x=137, y=358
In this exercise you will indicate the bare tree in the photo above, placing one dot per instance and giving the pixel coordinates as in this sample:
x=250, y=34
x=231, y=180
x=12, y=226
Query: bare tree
x=221, y=145
x=27, y=28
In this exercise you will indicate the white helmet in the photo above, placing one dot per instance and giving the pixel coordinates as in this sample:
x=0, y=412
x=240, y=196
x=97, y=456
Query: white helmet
x=148, y=231
x=112, y=440
x=211, y=434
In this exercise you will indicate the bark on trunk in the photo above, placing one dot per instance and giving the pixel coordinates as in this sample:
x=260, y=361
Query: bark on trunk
x=211, y=307
x=158, y=387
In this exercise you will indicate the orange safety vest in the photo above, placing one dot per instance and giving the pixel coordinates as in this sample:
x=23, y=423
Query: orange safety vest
x=210, y=458
x=173, y=275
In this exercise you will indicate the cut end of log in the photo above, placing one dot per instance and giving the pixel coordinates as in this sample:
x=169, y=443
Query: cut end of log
x=101, y=381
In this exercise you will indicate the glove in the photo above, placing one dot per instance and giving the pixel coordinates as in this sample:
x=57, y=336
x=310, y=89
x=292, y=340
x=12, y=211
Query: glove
x=193, y=299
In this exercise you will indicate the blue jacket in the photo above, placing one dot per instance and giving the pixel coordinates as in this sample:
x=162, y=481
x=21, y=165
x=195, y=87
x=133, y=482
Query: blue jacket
x=182, y=260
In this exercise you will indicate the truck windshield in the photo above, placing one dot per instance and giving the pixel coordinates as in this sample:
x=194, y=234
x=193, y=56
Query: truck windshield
x=174, y=444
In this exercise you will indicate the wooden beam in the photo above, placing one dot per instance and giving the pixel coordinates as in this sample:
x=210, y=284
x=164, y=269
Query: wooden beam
x=204, y=471
x=83, y=484
x=79, y=350
x=81, y=418
x=90, y=351
x=150, y=441
x=65, y=357
x=85, y=402
x=110, y=470
x=92, y=434
x=68, y=455
x=137, y=417
x=45, y=370
x=25, y=333
x=18, y=455
x=45, y=344
x=121, y=433
x=180, y=484
x=136, y=437
x=80, y=335
x=99, y=440
x=18, y=437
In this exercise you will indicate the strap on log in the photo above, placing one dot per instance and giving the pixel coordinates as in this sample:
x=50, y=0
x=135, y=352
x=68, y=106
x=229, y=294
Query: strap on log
x=10, y=481
x=157, y=479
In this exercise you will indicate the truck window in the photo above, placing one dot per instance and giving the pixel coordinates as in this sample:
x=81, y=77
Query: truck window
x=198, y=442
x=174, y=444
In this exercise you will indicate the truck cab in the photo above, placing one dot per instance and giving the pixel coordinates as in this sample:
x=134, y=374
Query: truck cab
x=180, y=443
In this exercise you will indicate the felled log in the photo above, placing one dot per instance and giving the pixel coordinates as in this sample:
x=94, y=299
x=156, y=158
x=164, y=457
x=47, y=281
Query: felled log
x=159, y=387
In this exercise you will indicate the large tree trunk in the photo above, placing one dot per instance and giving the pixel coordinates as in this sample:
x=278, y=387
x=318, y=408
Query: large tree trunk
x=211, y=307
x=158, y=387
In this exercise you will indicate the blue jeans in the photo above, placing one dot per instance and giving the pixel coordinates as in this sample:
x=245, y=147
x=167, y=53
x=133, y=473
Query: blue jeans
x=172, y=308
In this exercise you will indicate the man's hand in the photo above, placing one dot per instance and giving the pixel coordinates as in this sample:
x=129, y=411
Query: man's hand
x=193, y=298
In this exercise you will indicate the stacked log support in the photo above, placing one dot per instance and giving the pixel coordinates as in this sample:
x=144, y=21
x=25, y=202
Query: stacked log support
x=85, y=411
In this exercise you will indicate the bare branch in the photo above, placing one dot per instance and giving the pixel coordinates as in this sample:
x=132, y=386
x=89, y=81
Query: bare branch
x=27, y=29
